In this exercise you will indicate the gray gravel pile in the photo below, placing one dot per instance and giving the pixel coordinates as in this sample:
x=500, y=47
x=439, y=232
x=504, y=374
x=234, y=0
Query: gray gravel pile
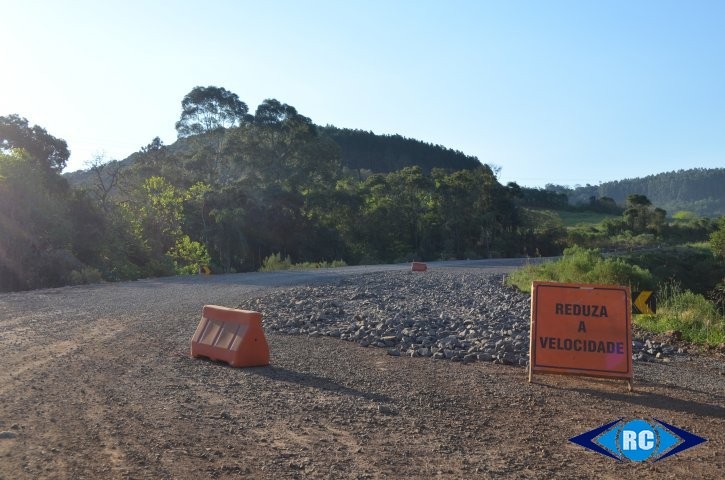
x=462, y=317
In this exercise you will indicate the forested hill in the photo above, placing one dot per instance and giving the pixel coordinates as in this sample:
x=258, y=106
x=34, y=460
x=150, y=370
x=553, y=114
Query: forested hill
x=239, y=191
x=698, y=190
x=363, y=150
x=360, y=151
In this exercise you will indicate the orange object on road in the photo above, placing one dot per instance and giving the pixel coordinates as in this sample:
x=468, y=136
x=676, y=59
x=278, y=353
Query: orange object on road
x=418, y=267
x=581, y=329
x=232, y=336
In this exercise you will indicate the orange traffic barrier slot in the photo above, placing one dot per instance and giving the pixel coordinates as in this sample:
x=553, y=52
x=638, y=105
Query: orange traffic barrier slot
x=418, y=267
x=232, y=336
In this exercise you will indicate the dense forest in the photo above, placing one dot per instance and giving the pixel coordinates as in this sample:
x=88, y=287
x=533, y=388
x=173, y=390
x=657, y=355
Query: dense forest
x=238, y=187
x=243, y=187
x=698, y=190
x=361, y=154
x=364, y=151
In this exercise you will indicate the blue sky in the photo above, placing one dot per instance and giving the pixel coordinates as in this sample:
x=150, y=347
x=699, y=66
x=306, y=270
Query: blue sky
x=566, y=92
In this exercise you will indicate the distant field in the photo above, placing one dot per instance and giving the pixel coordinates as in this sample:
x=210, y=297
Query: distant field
x=571, y=219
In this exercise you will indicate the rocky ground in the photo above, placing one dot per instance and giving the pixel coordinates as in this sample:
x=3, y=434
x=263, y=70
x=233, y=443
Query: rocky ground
x=460, y=315
x=96, y=382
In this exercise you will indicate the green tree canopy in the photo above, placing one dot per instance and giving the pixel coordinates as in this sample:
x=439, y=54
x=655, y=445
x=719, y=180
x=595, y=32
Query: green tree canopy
x=636, y=201
x=717, y=239
x=283, y=148
x=206, y=109
x=35, y=236
x=273, y=113
x=50, y=152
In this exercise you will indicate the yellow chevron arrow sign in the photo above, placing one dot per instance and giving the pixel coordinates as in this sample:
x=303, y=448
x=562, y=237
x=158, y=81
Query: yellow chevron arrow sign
x=643, y=302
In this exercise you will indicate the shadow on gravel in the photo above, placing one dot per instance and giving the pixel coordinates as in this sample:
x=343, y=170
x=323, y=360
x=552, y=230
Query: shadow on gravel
x=656, y=400
x=668, y=386
x=314, y=381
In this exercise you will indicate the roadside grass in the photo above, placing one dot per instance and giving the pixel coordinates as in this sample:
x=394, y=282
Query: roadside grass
x=696, y=318
x=581, y=265
x=276, y=262
x=692, y=315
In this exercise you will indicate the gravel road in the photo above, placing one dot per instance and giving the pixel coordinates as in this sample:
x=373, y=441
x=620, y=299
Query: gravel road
x=96, y=382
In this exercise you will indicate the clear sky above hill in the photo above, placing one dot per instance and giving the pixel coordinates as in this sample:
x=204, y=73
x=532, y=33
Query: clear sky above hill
x=567, y=92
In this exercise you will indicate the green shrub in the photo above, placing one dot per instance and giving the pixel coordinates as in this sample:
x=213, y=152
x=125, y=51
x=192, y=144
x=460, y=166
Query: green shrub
x=123, y=270
x=691, y=314
x=717, y=239
x=717, y=295
x=188, y=256
x=616, y=271
x=694, y=268
x=275, y=262
x=323, y=264
x=581, y=265
x=627, y=240
x=84, y=276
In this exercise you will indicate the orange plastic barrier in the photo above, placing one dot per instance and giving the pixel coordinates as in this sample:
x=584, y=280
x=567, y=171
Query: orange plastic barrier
x=418, y=267
x=232, y=336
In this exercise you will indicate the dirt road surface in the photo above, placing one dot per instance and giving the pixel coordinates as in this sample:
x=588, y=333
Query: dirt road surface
x=96, y=383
